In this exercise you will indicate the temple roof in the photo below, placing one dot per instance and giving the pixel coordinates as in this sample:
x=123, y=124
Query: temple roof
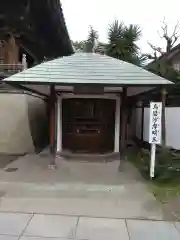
x=88, y=68
x=38, y=25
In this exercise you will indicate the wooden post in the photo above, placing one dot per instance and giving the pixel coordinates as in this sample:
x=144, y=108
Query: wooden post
x=52, y=115
x=123, y=124
x=163, y=99
x=11, y=51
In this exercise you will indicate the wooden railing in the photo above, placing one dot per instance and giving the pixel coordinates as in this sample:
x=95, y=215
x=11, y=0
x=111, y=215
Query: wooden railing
x=10, y=69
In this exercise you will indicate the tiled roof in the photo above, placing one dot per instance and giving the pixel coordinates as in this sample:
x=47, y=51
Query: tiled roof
x=90, y=68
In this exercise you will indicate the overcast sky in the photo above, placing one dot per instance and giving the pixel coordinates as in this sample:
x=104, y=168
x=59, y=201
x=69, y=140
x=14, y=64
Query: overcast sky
x=79, y=14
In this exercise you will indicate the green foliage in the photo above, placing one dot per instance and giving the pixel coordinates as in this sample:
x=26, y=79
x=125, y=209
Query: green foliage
x=165, y=192
x=116, y=31
x=93, y=35
x=122, y=43
x=101, y=48
x=91, y=41
x=79, y=45
x=140, y=60
x=89, y=44
x=167, y=165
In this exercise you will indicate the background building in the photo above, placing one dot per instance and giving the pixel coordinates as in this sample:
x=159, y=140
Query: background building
x=30, y=32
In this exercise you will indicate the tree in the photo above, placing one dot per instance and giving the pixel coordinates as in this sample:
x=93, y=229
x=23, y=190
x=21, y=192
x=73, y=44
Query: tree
x=170, y=40
x=161, y=67
x=91, y=40
x=79, y=46
x=100, y=48
x=122, y=42
x=91, y=44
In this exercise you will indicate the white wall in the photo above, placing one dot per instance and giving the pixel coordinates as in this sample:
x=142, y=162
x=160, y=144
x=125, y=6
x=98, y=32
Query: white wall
x=172, y=126
x=14, y=131
x=19, y=116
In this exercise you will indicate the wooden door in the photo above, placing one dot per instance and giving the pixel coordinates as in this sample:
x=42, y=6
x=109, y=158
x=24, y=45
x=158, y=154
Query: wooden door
x=88, y=125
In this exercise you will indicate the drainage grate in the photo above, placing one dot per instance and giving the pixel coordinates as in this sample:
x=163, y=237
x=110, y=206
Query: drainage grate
x=10, y=169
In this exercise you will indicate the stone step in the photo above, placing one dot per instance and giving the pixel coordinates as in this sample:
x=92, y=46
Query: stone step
x=108, y=157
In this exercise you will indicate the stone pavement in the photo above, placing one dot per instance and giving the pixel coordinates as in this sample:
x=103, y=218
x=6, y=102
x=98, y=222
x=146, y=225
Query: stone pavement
x=14, y=226
x=79, y=188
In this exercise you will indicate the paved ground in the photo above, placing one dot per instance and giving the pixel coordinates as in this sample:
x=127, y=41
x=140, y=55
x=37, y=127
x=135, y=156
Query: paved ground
x=79, y=200
x=6, y=159
x=14, y=226
x=172, y=205
x=76, y=188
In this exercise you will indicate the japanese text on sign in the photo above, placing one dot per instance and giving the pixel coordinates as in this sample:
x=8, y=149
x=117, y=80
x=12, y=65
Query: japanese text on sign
x=155, y=122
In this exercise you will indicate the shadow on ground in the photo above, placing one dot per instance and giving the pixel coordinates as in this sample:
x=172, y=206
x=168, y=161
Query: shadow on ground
x=5, y=159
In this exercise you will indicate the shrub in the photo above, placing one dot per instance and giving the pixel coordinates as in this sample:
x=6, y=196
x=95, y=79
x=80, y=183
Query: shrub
x=167, y=167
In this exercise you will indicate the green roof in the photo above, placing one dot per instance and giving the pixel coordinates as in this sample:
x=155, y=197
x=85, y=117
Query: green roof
x=87, y=68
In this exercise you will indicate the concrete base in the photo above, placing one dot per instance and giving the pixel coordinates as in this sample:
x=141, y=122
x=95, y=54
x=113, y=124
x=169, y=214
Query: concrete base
x=106, y=157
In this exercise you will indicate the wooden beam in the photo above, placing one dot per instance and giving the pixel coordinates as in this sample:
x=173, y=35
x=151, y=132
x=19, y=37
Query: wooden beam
x=21, y=87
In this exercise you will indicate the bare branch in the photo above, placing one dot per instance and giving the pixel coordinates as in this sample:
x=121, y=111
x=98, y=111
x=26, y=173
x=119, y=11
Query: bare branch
x=170, y=39
x=159, y=34
x=176, y=30
x=156, y=49
x=150, y=56
x=164, y=28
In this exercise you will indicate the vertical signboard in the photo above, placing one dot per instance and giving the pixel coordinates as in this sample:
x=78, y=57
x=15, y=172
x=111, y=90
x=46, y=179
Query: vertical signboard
x=154, y=131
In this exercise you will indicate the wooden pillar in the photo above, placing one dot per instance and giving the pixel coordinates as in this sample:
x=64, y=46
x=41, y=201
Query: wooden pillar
x=123, y=124
x=11, y=51
x=52, y=130
x=163, y=123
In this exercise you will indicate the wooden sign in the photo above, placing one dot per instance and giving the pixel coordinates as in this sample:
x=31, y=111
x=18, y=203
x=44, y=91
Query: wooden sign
x=154, y=132
x=155, y=122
